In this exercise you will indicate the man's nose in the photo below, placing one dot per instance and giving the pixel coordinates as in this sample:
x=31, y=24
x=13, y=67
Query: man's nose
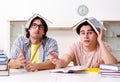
x=86, y=35
x=37, y=27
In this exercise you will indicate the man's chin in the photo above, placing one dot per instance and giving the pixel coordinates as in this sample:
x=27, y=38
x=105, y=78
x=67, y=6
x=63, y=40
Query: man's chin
x=37, y=37
x=86, y=44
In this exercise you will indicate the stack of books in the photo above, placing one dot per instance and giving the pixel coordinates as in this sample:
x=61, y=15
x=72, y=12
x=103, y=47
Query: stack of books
x=4, y=69
x=110, y=70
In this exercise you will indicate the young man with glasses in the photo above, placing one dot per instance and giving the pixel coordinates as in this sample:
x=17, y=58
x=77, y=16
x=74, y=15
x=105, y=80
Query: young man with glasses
x=31, y=52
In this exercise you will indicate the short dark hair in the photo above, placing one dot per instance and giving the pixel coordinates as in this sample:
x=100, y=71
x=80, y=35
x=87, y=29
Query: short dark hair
x=83, y=24
x=43, y=23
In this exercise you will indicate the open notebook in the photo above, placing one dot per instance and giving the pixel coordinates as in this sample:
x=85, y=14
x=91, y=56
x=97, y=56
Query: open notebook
x=71, y=69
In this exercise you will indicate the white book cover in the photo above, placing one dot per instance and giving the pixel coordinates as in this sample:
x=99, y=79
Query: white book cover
x=36, y=15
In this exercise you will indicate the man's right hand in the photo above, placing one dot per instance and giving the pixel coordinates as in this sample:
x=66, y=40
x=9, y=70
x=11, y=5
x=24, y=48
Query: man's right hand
x=17, y=63
x=55, y=59
x=21, y=58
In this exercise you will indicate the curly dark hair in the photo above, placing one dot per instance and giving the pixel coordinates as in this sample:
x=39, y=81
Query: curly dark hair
x=43, y=23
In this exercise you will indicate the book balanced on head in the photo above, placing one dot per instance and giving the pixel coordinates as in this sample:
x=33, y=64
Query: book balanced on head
x=93, y=22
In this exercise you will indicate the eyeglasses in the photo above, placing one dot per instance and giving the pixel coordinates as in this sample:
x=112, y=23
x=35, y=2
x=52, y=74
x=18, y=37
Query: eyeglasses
x=34, y=26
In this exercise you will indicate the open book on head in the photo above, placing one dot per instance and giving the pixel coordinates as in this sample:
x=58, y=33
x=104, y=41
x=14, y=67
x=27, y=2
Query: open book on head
x=93, y=22
x=36, y=15
x=70, y=69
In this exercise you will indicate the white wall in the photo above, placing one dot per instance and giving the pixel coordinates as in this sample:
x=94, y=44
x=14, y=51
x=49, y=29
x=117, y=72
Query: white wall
x=64, y=38
x=4, y=36
x=63, y=13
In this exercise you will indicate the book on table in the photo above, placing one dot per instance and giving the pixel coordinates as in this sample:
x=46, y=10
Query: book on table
x=107, y=71
x=3, y=65
x=4, y=69
x=4, y=72
x=110, y=76
x=3, y=62
x=115, y=67
x=110, y=73
x=93, y=22
x=3, y=58
x=70, y=69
